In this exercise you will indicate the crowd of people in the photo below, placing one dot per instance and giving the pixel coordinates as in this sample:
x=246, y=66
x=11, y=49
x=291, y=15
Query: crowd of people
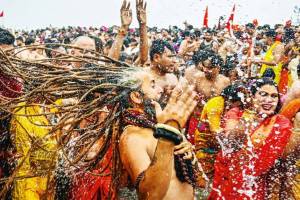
x=172, y=113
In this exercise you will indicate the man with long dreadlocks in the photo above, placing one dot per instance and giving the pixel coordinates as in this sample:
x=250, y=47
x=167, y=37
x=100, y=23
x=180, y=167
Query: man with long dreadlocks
x=153, y=150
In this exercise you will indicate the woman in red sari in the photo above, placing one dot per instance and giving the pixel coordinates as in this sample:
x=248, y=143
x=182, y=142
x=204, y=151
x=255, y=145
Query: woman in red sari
x=254, y=139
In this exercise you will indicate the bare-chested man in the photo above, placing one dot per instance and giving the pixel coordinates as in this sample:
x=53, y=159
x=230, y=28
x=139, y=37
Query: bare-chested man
x=150, y=160
x=205, y=75
x=163, y=65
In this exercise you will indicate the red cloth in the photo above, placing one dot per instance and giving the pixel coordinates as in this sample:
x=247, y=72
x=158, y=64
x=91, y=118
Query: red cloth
x=205, y=20
x=193, y=123
x=284, y=81
x=230, y=19
x=9, y=87
x=91, y=187
x=233, y=172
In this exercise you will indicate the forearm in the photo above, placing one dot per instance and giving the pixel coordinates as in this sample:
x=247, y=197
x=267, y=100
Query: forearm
x=116, y=48
x=157, y=177
x=272, y=63
x=143, y=44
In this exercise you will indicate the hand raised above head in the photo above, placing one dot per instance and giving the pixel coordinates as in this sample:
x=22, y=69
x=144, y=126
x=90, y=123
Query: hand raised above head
x=141, y=11
x=126, y=14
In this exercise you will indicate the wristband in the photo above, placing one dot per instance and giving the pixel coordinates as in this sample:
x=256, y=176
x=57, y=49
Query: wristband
x=169, y=135
x=169, y=128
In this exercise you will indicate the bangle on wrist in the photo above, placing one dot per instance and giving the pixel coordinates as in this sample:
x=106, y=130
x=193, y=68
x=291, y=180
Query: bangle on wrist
x=167, y=127
x=169, y=133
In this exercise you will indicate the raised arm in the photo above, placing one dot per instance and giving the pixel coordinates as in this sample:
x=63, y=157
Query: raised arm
x=146, y=172
x=142, y=18
x=126, y=19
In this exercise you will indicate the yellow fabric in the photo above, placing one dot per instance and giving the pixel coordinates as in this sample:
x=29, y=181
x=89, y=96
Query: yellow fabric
x=26, y=130
x=269, y=57
x=211, y=113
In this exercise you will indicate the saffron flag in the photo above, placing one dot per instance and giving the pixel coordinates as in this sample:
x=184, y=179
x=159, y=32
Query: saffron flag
x=205, y=20
x=230, y=20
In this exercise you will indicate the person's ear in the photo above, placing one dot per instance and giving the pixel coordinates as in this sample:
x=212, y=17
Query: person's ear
x=136, y=97
x=156, y=58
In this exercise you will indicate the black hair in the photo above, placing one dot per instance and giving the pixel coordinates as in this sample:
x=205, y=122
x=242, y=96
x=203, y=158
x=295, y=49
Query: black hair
x=29, y=41
x=200, y=56
x=258, y=83
x=271, y=33
x=231, y=92
x=20, y=38
x=250, y=25
x=186, y=34
x=109, y=43
x=6, y=37
x=203, y=55
x=158, y=47
x=228, y=66
x=289, y=35
x=98, y=44
x=269, y=73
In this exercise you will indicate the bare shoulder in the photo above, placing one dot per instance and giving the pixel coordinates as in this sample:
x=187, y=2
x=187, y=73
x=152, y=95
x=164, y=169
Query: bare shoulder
x=224, y=80
x=133, y=134
x=172, y=78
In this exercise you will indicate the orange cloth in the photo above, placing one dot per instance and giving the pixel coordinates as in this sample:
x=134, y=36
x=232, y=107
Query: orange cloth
x=284, y=81
x=291, y=109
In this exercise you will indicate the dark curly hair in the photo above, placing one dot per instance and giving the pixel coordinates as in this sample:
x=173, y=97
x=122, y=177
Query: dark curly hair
x=6, y=37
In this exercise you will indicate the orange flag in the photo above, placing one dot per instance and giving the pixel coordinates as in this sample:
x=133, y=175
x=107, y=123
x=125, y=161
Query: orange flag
x=205, y=20
x=230, y=20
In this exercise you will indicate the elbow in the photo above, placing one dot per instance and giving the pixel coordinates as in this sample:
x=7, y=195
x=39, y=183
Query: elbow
x=152, y=194
x=153, y=189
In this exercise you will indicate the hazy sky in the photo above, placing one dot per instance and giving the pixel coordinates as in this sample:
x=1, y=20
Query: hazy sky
x=161, y=13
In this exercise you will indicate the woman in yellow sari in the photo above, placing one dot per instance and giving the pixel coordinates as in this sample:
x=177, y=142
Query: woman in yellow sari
x=210, y=124
x=36, y=148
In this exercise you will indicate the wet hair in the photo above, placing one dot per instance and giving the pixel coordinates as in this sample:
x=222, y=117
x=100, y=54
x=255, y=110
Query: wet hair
x=186, y=34
x=269, y=73
x=271, y=33
x=289, y=35
x=231, y=92
x=259, y=83
x=203, y=55
x=6, y=37
x=20, y=38
x=227, y=68
x=29, y=41
x=158, y=47
x=250, y=25
x=199, y=56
